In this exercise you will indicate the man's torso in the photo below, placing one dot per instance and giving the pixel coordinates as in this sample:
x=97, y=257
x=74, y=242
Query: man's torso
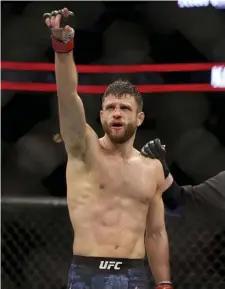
x=108, y=200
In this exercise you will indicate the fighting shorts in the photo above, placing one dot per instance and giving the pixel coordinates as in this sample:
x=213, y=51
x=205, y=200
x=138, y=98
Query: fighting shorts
x=107, y=273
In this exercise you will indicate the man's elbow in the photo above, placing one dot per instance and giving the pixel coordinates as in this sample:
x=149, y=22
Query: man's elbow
x=156, y=234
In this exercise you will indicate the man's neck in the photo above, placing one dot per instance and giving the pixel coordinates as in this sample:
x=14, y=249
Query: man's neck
x=125, y=150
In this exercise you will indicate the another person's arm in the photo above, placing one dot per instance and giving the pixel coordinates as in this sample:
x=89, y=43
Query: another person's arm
x=209, y=193
x=173, y=194
x=156, y=241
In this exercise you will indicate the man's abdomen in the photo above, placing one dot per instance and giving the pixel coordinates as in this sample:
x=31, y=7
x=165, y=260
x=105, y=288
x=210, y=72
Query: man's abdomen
x=108, y=242
x=108, y=224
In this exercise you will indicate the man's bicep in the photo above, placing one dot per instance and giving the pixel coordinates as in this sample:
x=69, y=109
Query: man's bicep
x=155, y=217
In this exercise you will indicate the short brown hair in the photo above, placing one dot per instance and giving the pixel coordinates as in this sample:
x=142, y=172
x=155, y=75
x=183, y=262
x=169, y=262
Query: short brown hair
x=121, y=87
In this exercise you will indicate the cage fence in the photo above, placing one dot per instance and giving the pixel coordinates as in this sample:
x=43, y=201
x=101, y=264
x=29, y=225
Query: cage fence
x=37, y=240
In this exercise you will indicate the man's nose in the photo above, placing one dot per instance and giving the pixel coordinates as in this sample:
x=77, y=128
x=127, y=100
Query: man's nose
x=116, y=113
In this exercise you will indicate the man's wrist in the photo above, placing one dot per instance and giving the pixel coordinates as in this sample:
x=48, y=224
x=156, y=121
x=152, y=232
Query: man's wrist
x=169, y=180
x=62, y=47
x=164, y=285
x=173, y=195
x=165, y=282
x=165, y=169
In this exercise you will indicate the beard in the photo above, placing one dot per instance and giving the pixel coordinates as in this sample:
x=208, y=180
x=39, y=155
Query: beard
x=121, y=136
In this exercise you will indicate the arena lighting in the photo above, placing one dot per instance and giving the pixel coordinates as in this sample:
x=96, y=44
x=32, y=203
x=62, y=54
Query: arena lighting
x=218, y=76
x=219, y=4
x=217, y=81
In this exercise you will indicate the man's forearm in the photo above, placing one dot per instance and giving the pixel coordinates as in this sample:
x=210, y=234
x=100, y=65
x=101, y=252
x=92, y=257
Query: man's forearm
x=66, y=74
x=71, y=110
x=157, y=249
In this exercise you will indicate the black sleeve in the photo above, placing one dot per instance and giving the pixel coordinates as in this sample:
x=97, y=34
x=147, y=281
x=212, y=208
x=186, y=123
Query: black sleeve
x=173, y=196
x=210, y=193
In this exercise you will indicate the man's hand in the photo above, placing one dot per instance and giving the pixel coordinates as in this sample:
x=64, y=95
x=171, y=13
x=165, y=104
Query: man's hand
x=62, y=35
x=155, y=150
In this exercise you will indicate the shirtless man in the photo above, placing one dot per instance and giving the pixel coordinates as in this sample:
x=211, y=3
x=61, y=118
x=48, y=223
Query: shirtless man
x=114, y=193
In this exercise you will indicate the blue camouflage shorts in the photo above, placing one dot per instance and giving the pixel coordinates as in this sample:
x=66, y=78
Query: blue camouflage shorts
x=107, y=273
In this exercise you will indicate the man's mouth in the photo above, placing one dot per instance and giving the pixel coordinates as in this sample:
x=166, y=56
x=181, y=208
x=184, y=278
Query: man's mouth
x=117, y=125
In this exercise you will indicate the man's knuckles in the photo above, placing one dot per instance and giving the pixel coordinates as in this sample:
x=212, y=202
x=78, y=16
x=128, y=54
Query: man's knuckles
x=63, y=12
x=153, y=149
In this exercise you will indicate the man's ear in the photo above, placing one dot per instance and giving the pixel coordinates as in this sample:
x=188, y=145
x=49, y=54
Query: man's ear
x=101, y=115
x=141, y=117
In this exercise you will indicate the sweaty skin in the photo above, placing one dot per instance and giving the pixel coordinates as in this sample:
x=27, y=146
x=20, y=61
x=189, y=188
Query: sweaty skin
x=114, y=194
x=108, y=200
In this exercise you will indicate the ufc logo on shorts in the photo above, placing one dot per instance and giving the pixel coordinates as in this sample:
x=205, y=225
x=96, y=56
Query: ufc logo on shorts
x=107, y=265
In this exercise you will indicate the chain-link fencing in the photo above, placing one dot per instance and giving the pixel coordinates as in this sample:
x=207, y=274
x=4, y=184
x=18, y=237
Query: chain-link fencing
x=37, y=248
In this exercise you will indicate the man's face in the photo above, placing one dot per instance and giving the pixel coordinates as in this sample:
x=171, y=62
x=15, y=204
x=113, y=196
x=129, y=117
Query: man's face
x=120, y=117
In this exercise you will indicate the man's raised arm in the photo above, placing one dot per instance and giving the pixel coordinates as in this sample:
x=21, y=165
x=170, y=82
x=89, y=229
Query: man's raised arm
x=71, y=110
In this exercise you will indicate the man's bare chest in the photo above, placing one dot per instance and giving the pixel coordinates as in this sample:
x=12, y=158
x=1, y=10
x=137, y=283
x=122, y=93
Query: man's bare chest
x=126, y=179
x=111, y=181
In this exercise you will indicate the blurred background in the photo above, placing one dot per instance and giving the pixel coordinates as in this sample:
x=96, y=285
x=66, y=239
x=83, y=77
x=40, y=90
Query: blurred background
x=36, y=231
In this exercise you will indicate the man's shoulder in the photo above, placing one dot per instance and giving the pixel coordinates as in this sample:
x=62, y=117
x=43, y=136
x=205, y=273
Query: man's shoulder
x=153, y=163
x=155, y=167
x=152, y=166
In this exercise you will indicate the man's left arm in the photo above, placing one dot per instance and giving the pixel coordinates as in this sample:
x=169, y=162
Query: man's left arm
x=156, y=239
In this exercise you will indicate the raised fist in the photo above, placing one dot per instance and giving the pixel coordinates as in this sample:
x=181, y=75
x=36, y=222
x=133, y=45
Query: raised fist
x=56, y=21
